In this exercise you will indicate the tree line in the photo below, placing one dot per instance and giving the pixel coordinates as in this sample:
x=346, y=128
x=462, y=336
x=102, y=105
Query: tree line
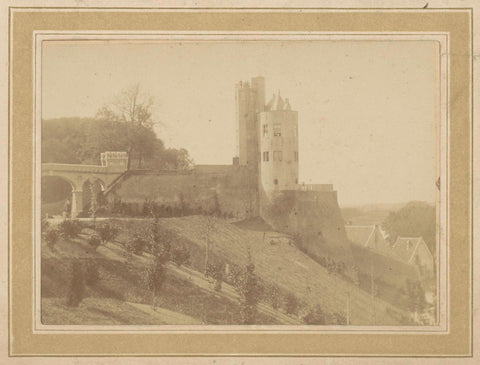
x=126, y=124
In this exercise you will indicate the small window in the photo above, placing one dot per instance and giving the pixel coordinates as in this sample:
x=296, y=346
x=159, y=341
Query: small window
x=295, y=156
x=296, y=181
x=275, y=181
x=265, y=156
x=277, y=155
x=277, y=130
x=265, y=130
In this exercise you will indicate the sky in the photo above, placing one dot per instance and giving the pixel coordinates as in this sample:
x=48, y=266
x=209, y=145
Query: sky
x=366, y=109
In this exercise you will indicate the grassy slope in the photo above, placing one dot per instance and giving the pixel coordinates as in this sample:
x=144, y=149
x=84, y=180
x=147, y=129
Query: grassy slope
x=285, y=266
x=118, y=297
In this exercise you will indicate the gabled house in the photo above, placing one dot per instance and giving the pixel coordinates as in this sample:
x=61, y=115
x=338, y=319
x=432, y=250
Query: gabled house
x=414, y=251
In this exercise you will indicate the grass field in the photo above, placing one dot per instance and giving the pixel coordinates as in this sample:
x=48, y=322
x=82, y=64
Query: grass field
x=277, y=262
x=285, y=266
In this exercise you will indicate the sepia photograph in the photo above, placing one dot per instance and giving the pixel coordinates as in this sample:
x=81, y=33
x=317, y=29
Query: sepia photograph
x=239, y=182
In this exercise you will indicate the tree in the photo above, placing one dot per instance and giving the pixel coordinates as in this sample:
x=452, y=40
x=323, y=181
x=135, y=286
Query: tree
x=107, y=232
x=315, y=316
x=250, y=293
x=154, y=277
x=208, y=228
x=51, y=237
x=133, y=107
x=155, y=272
x=77, y=285
x=416, y=219
x=94, y=241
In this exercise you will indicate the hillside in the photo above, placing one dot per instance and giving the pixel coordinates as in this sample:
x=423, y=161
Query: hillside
x=120, y=297
x=187, y=296
x=285, y=266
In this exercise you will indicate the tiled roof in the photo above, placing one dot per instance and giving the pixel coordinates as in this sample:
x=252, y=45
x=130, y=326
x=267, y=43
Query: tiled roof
x=359, y=235
x=405, y=247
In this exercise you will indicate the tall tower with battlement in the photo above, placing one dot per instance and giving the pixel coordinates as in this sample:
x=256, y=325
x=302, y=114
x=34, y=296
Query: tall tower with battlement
x=250, y=100
x=267, y=136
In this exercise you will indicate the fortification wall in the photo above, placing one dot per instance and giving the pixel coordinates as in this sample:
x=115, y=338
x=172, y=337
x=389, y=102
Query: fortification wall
x=233, y=189
x=317, y=216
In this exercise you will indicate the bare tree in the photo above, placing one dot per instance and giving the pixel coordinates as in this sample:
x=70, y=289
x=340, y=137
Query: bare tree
x=132, y=106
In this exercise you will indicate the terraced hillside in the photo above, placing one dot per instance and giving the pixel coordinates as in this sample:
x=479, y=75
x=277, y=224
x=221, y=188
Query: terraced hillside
x=285, y=266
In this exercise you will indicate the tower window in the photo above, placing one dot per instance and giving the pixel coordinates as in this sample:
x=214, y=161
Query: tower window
x=266, y=156
x=277, y=155
x=265, y=130
x=295, y=156
x=277, y=130
x=275, y=181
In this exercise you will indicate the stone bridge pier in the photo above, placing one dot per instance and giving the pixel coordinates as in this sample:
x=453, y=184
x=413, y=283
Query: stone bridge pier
x=113, y=164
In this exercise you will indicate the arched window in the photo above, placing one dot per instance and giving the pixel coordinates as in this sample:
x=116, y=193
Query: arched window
x=275, y=181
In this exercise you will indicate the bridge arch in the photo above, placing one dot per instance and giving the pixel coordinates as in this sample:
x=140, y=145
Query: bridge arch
x=113, y=165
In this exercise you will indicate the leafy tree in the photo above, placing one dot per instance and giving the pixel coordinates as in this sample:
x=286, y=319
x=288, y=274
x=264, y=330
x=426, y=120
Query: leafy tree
x=250, y=293
x=51, y=237
x=155, y=272
x=94, y=241
x=108, y=232
x=92, y=275
x=413, y=220
x=70, y=228
x=77, y=285
x=154, y=277
x=291, y=304
x=316, y=316
x=180, y=255
x=415, y=295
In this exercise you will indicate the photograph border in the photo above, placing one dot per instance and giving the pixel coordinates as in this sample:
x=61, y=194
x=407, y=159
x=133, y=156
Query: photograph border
x=295, y=344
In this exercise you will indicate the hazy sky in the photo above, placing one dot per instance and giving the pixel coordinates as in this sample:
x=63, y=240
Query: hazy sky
x=366, y=109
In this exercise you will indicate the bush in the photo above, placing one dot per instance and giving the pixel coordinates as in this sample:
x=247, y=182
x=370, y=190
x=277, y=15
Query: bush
x=77, y=285
x=70, y=228
x=107, y=232
x=92, y=275
x=315, y=316
x=137, y=245
x=339, y=318
x=94, y=241
x=180, y=255
x=291, y=304
x=51, y=237
x=273, y=297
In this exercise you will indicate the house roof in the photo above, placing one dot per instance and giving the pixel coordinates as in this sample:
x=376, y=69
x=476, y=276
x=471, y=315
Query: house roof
x=405, y=247
x=369, y=236
x=276, y=103
x=360, y=235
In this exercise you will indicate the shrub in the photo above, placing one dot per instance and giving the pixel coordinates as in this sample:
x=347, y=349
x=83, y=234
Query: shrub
x=315, y=316
x=250, y=292
x=216, y=271
x=273, y=297
x=154, y=276
x=92, y=275
x=339, y=318
x=107, y=232
x=51, y=237
x=291, y=304
x=94, y=241
x=180, y=255
x=77, y=285
x=137, y=245
x=70, y=228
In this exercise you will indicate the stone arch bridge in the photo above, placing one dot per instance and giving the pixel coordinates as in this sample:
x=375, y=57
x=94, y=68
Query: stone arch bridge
x=114, y=164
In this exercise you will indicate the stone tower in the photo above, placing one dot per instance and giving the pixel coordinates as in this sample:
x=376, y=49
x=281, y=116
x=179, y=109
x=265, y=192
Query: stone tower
x=278, y=143
x=250, y=100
